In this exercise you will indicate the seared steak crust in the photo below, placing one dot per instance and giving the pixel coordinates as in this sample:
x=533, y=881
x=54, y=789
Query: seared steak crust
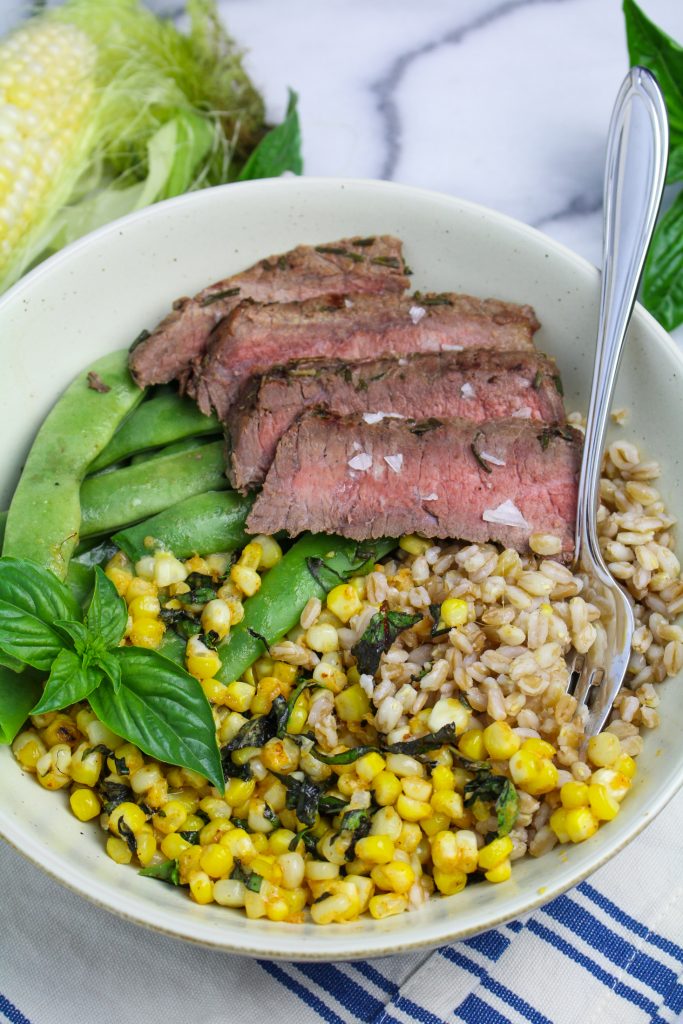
x=476, y=385
x=255, y=338
x=336, y=268
x=344, y=476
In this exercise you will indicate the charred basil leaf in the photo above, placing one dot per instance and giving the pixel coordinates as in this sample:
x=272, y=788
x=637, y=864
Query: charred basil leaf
x=495, y=789
x=168, y=871
x=383, y=628
x=270, y=815
x=309, y=841
x=331, y=804
x=114, y=793
x=191, y=837
x=126, y=833
x=345, y=757
x=437, y=629
x=307, y=799
x=250, y=878
x=423, y=744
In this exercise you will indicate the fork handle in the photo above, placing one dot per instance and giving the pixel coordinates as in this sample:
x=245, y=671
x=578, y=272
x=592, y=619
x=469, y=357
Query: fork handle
x=637, y=149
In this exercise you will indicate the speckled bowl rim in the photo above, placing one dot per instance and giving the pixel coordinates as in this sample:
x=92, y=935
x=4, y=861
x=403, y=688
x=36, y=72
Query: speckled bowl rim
x=103, y=895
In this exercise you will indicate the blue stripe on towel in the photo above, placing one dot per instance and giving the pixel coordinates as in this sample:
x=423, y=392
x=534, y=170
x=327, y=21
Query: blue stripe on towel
x=375, y=976
x=491, y=944
x=299, y=990
x=345, y=990
x=622, y=953
x=11, y=1012
x=495, y=987
x=474, y=1010
x=627, y=921
x=419, y=1013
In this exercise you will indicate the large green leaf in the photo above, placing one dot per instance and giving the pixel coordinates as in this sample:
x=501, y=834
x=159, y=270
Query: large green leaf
x=36, y=590
x=107, y=615
x=26, y=637
x=279, y=150
x=68, y=683
x=663, y=279
x=18, y=694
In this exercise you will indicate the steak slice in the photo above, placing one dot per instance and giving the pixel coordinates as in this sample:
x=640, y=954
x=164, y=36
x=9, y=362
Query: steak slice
x=255, y=338
x=499, y=481
x=336, y=268
x=476, y=385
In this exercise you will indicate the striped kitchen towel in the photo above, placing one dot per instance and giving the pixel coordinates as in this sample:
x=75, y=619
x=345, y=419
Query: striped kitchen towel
x=608, y=952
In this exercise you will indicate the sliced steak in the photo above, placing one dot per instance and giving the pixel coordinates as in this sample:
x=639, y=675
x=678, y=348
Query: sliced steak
x=337, y=268
x=255, y=338
x=476, y=385
x=498, y=481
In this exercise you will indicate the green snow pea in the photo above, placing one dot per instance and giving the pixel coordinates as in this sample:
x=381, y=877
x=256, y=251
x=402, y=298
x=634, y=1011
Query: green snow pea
x=311, y=568
x=159, y=421
x=184, y=445
x=197, y=526
x=45, y=514
x=126, y=495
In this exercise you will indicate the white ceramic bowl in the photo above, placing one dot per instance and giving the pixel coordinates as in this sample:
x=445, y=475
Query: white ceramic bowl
x=99, y=293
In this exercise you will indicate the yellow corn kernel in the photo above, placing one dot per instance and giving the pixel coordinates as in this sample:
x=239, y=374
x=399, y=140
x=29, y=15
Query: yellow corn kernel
x=500, y=741
x=280, y=755
x=188, y=861
x=132, y=816
x=201, y=887
x=617, y=784
x=322, y=637
x=625, y=765
x=216, y=618
x=602, y=803
x=397, y=876
x=448, y=711
x=574, y=794
x=298, y=717
x=454, y=612
x=201, y=661
x=432, y=825
x=28, y=749
x=413, y=544
x=353, y=675
x=216, y=861
x=449, y=804
x=121, y=578
x=214, y=691
x=352, y=704
x=140, y=588
x=500, y=873
x=604, y=749
x=369, y=766
x=84, y=804
x=251, y=555
x=240, y=844
x=471, y=744
x=494, y=853
x=449, y=882
x=146, y=845
x=267, y=689
x=173, y=845
x=412, y=810
x=61, y=729
x=118, y=850
x=147, y=633
x=246, y=579
x=443, y=778
x=535, y=774
x=558, y=824
x=344, y=602
x=539, y=747
x=387, y=787
x=581, y=824
x=271, y=552
x=375, y=849
x=146, y=606
x=279, y=840
x=237, y=791
x=171, y=817
x=417, y=788
x=287, y=674
x=387, y=905
x=411, y=836
x=342, y=905
x=445, y=851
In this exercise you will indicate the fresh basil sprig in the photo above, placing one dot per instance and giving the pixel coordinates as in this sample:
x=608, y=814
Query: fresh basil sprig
x=138, y=694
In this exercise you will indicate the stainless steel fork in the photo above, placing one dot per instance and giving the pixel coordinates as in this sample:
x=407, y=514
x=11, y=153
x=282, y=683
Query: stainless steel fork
x=637, y=148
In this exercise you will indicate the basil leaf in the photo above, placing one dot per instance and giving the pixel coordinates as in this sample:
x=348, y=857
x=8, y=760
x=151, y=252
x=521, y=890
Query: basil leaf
x=163, y=711
x=663, y=277
x=76, y=632
x=18, y=694
x=648, y=45
x=28, y=638
x=36, y=590
x=496, y=789
x=68, y=682
x=111, y=666
x=507, y=808
x=250, y=878
x=107, y=615
x=423, y=744
x=382, y=630
x=168, y=871
x=279, y=150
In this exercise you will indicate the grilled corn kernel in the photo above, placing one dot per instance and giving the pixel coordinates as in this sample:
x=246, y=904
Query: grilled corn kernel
x=188, y=861
x=251, y=555
x=28, y=749
x=336, y=907
x=625, y=765
x=84, y=804
x=147, y=633
x=448, y=711
x=500, y=873
x=443, y=778
x=344, y=602
x=580, y=824
x=280, y=755
x=402, y=764
x=238, y=790
x=214, y=691
x=413, y=544
x=532, y=773
x=454, y=612
x=445, y=851
x=146, y=606
x=574, y=794
x=494, y=853
x=146, y=845
x=500, y=741
x=296, y=723
x=62, y=729
x=411, y=836
x=558, y=824
x=118, y=850
x=202, y=662
x=121, y=579
x=246, y=579
x=603, y=804
x=322, y=637
x=216, y=618
x=132, y=816
x=432, y=825
x=271, y=552
x=369, y=766
x=448, y=803
x=352, y=704
x=267, y=689
x=387, y=787
x=386, y=822
x=449, y=882
x=240, y=844
x=216, y=860
x=539, y=747
x=395, y=876
x=171, y=817
x=279, y=840
x=412, y=810
x=173, y=845
x=201, y=887
x=604, y=749
x=616, y=784
x=229, y=892
x=416, y=788
x=375, y=849
x=387, y=905
x=167, y=569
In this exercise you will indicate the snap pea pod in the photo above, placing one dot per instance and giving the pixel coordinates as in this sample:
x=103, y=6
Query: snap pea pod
x=159, y=421
x=3, y=523
x=197, y=526
x=172, y=647
x=80, y=579
x=127, y=495
x=311, y=568
x=45, y=514
x=183, y=445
